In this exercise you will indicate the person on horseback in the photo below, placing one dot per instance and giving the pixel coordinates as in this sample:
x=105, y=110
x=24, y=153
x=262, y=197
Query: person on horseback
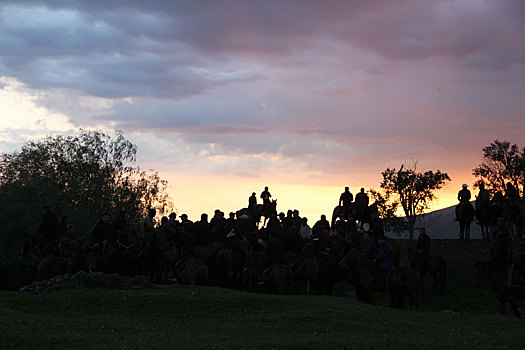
x=464, y=194
x=518, y=269
x=321, y=225
x=185, y=241
x=483, y=195
x=362, y=198
x=369, y=246
x=423, y=243
x=148, y=225
x=265, y=195
x=297, y=220
x=482, y=202
x=185, y=221
x=463, y=198
x=361, y=201
x=70, y=244
x=498, y=198
x=500, y=253
x=511, y=193
x=231, y=223
x=336, y=244
x=252, y=204
x=304, y=230
x=103, y=232
x=346, y=198
x=70, y=248
x=384, y=262
x=496, y=209
x=377, y=227
x=167, y=236
x=62, y=227
x=341, y=225
x=172, y=220
x=287, y=221
x=218, y=227
x=48, y=232
x=385, y=254
x=201, y=231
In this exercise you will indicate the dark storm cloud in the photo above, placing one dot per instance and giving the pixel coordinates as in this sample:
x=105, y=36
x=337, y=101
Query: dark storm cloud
x=172, y=49
x=294, y=78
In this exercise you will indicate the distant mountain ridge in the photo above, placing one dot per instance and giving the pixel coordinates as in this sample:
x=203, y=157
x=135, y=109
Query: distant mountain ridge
x=440, y=224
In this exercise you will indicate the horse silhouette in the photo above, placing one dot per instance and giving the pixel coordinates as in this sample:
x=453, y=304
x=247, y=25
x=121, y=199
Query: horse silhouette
x=498, y=277
x=435, y=266
x=266, y=210
x=405, y=284
x=465, y=217
x=192, y=271
x=484, y=218
x=359, y=270
x=278, y=278
x=307, y=267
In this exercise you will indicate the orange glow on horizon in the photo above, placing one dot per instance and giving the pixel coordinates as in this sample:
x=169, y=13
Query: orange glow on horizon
x=195, y=195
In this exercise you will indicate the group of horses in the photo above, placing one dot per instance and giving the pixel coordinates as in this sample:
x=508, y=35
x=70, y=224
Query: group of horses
x=403, y=283
x=498, y=277
x=486, y=213
x=247, y=260
x=498, y=270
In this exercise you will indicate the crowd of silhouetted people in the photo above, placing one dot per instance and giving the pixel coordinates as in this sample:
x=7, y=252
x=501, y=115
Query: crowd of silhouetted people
x=257, y=236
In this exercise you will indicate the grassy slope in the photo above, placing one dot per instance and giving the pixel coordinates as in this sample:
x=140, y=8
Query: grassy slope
x=215, y=318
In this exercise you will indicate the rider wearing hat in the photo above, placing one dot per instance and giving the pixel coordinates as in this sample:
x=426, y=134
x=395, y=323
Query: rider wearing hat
x=423, y=243
x=464, y=194
x=463, y=198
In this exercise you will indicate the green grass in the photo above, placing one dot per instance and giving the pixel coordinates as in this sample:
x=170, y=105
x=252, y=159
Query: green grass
x=206, y=318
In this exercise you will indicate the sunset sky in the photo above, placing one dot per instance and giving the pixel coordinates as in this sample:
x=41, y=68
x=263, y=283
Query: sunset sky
x=306, y=97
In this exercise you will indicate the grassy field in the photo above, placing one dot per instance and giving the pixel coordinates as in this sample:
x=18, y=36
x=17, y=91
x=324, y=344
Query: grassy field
x=208, y=318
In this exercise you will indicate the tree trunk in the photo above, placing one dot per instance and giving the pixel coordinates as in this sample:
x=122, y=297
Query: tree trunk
x=411, y=224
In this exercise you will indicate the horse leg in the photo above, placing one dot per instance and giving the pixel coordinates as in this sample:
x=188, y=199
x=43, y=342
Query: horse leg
x=486, y=233
x=421, y=274
x=307, y=287
x=502, y=305
x=515, y=308
x=435, y=277
x=442, y=280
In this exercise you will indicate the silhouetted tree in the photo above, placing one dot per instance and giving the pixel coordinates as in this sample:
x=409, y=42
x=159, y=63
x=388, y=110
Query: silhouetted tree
x=387, y=208
x=414, y=190
x=79, y=176
x=502, y=163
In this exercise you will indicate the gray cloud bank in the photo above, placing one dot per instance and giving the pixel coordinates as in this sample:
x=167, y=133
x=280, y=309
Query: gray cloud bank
x=318, y=81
